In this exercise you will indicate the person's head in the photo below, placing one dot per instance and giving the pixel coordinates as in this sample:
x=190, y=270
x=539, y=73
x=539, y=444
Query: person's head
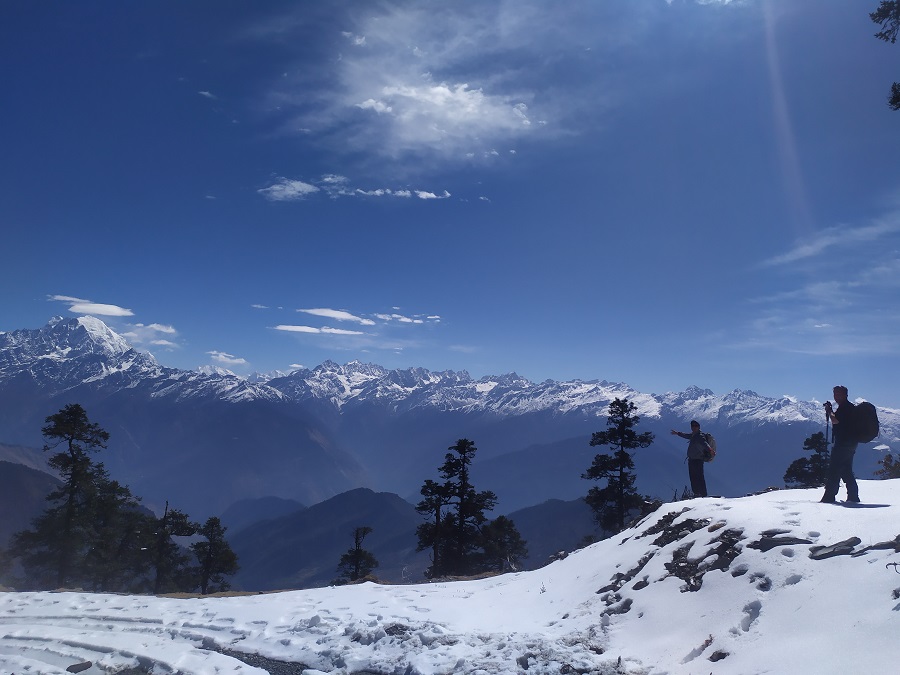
x=840, y=393
x=695, y=425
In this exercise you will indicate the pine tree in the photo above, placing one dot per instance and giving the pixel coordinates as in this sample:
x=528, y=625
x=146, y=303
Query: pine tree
x=357, y=562
x=214, y=556
x=889, y=468
x=52, y=550
x=458, y=512
x=171, y=564
x=612, y=503
x=118, y=558
x=887, y=15
x=809, y=472
x=432, y=533
x=503, y=545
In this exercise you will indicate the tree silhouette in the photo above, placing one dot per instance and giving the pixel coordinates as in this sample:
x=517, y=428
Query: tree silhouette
x=51, y=551
x=432, y=533
x=888, y=17
x=809, y=472
x=171, y=564
x=889, y=468
x=357, y=562
x=457, y=512
x=214, y=556
x=612, y=503
x=503, y=545
x=117, y=558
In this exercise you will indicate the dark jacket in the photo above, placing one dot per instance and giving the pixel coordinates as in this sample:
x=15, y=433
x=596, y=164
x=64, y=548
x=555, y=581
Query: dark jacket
x=845, y=429
x=698, y=447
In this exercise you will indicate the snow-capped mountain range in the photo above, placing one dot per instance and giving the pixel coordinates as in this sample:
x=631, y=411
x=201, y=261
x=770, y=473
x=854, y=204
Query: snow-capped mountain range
x=66, y=354
x=364, y=424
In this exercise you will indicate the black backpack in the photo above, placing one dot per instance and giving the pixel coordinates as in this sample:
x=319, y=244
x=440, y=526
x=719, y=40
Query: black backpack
x=866, y=422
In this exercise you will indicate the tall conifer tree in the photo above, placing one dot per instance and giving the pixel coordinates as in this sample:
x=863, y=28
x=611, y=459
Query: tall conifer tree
x=612, y=503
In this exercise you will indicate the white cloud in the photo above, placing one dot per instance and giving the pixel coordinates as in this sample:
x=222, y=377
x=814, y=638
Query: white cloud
x=421, y=194
x=442, y=116
x=208, y=95
x=357, y=40
x=285, y=189
x=400, y=318
x=170, y=330
x=227, y=359
x=152, y=335
x=82, y=306
x=438, y=81
x=101, y=309
x=338, y=315
x=333, y=185
x=377, y=106
x=311, y=329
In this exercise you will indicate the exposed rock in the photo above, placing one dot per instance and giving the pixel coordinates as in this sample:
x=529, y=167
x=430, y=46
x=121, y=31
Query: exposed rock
x=841, y=548
x=768, y=543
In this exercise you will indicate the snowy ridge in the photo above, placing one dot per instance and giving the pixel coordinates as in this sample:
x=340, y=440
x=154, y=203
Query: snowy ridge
x=403, y=391
x=773, y=583
x=68, y=353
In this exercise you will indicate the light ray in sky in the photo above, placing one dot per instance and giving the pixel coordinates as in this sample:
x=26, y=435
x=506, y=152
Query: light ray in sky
x=792, y=174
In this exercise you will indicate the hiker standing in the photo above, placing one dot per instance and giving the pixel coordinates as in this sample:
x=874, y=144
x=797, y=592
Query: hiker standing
x=697, y=452
x=840, y=464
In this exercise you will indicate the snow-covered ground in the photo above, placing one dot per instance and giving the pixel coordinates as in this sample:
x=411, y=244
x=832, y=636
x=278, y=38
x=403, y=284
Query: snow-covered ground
x=724, y=586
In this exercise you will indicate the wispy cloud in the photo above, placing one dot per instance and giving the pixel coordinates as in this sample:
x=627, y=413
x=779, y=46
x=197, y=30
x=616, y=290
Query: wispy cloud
x=287, y=190
x=227, y=359
x=326, y=330
x=421, y=194
x=840, y=294
x=334, y=187
x=209, y=95
x=338, y=315
x=399, y=318
x=447, y=81
x=81, y=306
x=452, y=83
x=840, y=236
x=384, y=331
x=150, y=336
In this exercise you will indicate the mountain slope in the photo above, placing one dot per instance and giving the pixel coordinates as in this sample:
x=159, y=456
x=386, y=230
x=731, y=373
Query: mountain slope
x=23, y=497
x=772, y=583
x=302, y=549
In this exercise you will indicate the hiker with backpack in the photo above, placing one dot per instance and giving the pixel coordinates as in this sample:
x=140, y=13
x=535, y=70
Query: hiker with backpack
x=699, y=451
x=846, y=437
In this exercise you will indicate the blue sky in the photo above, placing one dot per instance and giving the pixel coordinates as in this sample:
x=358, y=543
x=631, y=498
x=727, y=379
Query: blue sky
x=660, y=193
